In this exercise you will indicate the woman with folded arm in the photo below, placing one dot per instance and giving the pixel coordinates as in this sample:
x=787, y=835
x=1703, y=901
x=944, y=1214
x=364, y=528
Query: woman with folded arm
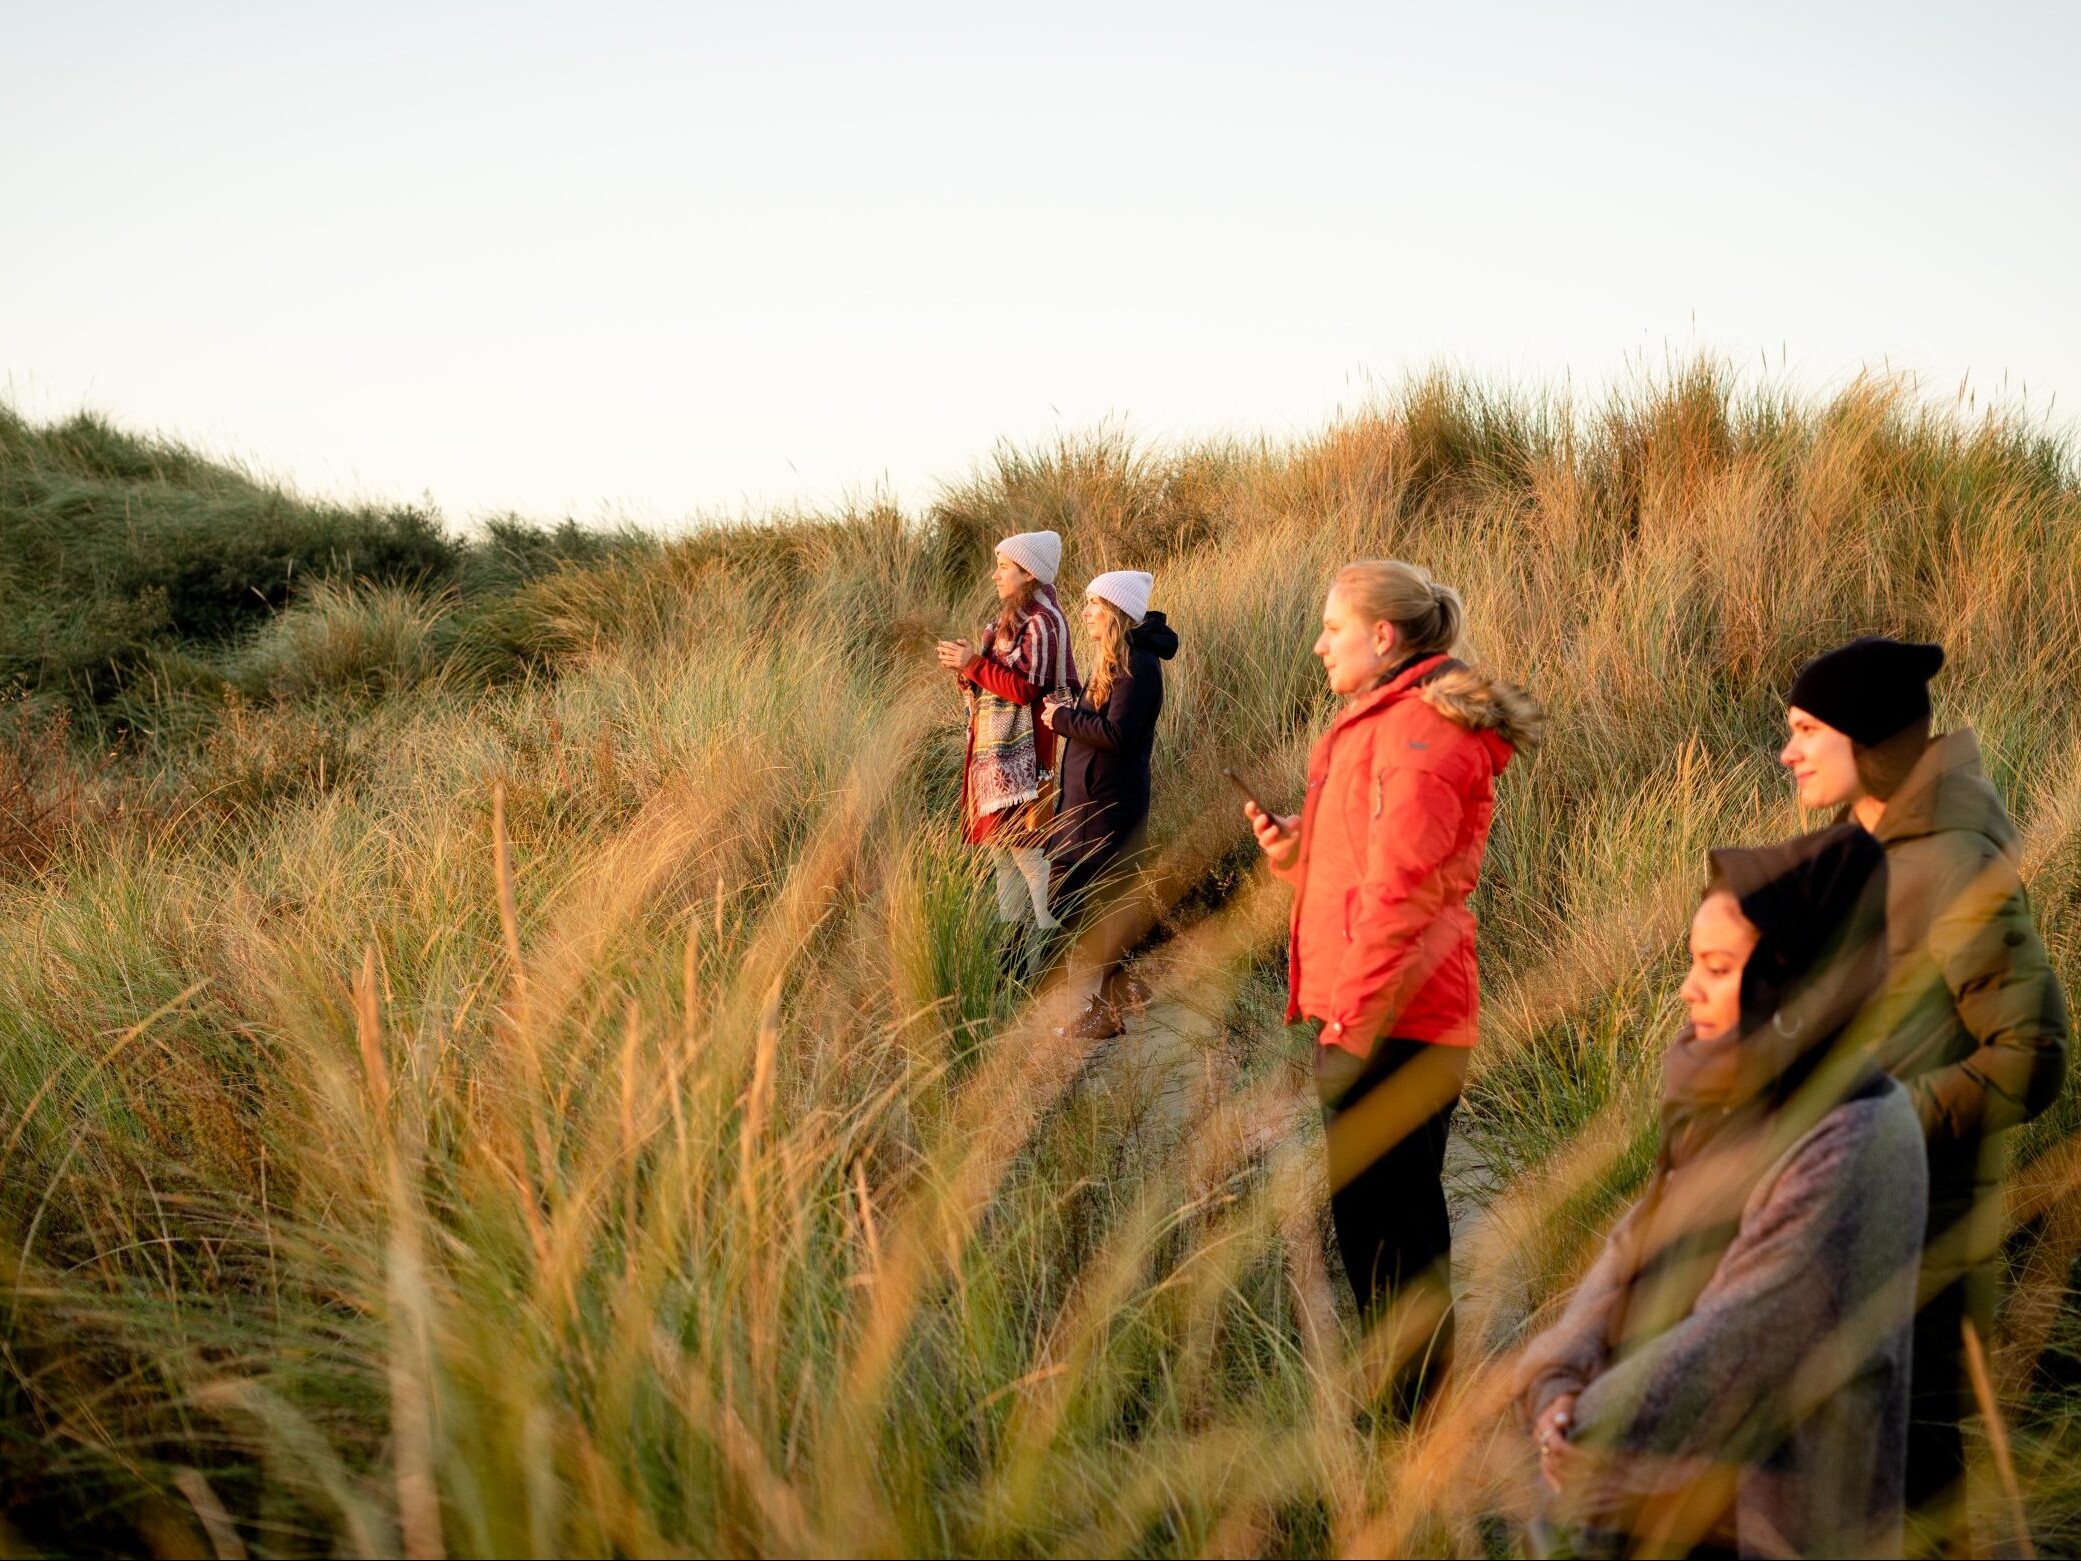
x=1731, y=1375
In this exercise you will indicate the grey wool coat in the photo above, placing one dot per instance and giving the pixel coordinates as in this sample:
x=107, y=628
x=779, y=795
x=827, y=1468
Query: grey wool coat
x=1786, y=1387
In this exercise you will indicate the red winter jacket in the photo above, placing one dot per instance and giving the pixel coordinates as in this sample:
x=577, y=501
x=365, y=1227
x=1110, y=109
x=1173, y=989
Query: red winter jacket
x=1401, y=790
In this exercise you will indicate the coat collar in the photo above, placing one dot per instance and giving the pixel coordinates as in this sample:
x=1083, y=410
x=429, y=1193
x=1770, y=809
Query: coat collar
x=1947, y=789
x=1387, y=693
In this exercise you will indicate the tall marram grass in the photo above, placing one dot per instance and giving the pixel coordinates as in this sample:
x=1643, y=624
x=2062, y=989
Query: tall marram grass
x=588, y=1112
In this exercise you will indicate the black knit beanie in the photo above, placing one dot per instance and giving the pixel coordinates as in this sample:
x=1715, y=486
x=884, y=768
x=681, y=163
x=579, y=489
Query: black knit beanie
x=1868, y=689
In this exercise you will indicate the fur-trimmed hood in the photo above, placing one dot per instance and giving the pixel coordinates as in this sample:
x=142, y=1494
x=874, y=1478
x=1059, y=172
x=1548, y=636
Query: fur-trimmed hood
x=1469, y=697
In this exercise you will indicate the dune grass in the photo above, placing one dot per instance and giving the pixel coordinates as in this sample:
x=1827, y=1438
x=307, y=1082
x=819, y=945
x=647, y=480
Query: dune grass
x=525, y=1066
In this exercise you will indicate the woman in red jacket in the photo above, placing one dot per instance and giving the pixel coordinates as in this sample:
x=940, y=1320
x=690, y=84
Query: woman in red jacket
x=1019, y=658
x=1382, y=857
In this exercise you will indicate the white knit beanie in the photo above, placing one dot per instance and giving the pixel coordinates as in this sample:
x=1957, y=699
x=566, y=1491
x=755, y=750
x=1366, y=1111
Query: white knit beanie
x=1126, y=589
x=1039, y=553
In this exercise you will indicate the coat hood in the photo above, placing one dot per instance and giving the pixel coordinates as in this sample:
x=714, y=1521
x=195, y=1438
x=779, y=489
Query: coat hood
x=1732, y=1105
x=1948, y=789
x=1818, y=904
x=1155, y=635
x=1472, y=698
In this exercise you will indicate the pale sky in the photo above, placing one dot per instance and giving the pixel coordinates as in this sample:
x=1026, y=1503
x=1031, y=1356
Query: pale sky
x=652, y=261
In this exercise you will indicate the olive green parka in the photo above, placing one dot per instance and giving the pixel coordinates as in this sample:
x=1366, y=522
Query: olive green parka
x=1972, y=1021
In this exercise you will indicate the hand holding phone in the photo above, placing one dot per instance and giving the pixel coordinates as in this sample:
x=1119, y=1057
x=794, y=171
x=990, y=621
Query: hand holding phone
x=1277, y=836
x=1249, y=796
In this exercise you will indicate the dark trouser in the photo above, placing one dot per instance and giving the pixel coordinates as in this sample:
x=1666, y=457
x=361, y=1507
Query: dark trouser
x=1098, y=889
x=1956, y=1290
x=1385, y=1119
x=1938, y=1400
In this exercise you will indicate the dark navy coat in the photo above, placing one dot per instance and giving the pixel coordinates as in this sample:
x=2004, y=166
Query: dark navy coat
x=1104, y=796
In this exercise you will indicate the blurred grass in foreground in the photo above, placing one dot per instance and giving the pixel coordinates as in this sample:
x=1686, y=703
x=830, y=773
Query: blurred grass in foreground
x=515, y=1059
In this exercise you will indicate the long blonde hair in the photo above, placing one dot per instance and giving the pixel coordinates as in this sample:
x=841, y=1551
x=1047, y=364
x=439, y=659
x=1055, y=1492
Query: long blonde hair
x=1427, y=616
x=1111, y=645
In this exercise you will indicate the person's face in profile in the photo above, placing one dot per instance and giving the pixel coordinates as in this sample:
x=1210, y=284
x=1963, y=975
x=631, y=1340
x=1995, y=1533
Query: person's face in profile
x=1721, y=941
x=1353, y=652
x=1822, y=762
x=1011, y=580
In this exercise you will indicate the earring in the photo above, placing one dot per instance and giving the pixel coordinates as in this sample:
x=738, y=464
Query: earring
x=1777, y=1023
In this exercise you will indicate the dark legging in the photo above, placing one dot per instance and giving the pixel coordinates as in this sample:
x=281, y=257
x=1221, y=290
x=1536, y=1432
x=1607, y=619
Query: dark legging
x=1938, y=1403
x=1385, y=1119
x=1098, y=889
x=1941, y=1397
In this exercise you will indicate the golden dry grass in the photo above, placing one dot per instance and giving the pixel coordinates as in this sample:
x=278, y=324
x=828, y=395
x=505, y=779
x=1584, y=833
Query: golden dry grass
x=588, y=1114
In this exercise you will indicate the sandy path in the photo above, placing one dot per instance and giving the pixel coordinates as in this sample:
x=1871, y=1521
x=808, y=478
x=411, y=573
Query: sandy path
x=1149, y=1087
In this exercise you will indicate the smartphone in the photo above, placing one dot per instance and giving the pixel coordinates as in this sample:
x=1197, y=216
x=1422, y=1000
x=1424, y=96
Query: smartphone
x=1249, y=796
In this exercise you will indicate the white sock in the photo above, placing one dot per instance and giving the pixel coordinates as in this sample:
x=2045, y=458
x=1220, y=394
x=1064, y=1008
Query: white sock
x=1032, y=863
x=1012, y=898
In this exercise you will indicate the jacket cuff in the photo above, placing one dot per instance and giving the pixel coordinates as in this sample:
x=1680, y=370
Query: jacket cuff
x=1338, y=1032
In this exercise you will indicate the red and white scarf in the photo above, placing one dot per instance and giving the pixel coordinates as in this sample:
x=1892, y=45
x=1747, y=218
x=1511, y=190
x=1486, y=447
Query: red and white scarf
x=1003, y=764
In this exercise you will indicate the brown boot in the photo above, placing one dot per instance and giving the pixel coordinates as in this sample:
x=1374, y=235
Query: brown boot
x=1100, y=1021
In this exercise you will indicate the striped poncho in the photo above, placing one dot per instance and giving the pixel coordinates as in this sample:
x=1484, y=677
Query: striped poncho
x=1003, y=686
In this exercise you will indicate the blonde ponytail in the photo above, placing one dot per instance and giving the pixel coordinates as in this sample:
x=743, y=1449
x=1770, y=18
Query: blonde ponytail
x=1427, y=616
